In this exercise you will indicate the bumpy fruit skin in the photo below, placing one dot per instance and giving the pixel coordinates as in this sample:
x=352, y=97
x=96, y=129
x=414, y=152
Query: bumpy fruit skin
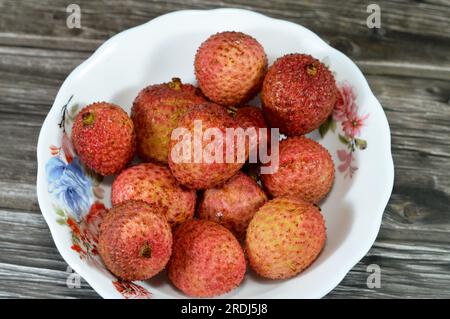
x=155, y=113
x=207, y=259
x=135, y=240
x=306, y=170
x=230, y=67
x=298, y=94
x=284, y=237
x=234, y=204
x=103, y=137
x=252, y=117
x=154, y=184
x=203, y=172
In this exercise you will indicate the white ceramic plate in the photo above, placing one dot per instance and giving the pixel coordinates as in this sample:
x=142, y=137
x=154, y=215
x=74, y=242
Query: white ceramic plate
x=165, y=47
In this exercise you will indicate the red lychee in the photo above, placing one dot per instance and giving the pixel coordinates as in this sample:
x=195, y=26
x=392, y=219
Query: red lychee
x=154, y=184
x=252, y=117
x=230, y=67
x=135, y=240
x=234, y=204
x=298, y=94
x=155, y=113
x=306, y=170
x=202, y=162
x=207, y=259
x=103, y=137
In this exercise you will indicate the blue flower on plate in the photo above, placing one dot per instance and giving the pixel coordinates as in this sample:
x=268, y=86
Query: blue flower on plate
x=68, y=184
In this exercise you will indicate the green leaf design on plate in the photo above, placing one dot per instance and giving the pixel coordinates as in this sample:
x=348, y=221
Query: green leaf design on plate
x=328, y=124
x=332, y=124
x=60, y=212
x=344, y=140
x=73, y=111
x=61, y=221
x=360, y=143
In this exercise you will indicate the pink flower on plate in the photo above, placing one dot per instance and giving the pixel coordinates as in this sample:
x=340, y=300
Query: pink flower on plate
x=346, y=159
x=346, y=102
x=352, y=124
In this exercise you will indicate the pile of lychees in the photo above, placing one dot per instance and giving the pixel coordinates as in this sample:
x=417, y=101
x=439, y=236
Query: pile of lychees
x=204, y=221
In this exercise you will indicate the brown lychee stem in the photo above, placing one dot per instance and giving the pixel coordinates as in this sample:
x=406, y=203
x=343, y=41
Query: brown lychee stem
x=311, y=69
x=175, y=84
x=88, y=118
x=232, y=110
x=253, y=176
x=145, y=251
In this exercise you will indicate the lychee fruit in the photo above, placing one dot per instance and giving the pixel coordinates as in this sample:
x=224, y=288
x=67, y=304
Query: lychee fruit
x=103, y=137
x=199, y=155
x=298, y=94
x=284, y=237
x=135, y=240
x=251, y=117
x=230, y=67
x=155, y=113
x=207, y=259
x=306, y=170
x=233, y=204
x=155, y=184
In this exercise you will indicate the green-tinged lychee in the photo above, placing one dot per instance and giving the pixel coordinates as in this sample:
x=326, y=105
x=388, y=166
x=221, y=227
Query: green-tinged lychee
x=230, y=67
x=154, y=184
x=103, y=137
x=233, y=204
x=135, y=240
x=306, y=170
x=207, y=259
x=298, y=94
x=155, y=113
x=284, y=237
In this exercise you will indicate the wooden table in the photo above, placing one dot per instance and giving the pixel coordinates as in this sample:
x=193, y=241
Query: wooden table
x=407, y=63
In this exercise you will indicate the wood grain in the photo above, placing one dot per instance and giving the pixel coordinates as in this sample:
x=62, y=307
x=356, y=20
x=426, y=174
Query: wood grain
x=406, y=62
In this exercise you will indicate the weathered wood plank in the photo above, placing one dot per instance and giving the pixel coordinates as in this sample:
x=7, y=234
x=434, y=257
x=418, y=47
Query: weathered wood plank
x=48, y=42
x=30, y=265
x=413, y=32
x=430, y=71
x=35, y=282
x=427, y=18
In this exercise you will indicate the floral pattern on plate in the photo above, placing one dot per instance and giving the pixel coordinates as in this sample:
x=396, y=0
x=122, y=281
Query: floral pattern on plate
x=346, y=113
x=78, y=205
x=130, y=290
